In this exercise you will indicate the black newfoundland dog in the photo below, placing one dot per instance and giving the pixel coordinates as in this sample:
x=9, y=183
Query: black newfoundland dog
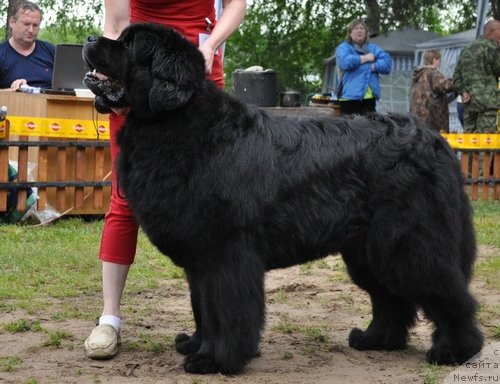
x=229, y=192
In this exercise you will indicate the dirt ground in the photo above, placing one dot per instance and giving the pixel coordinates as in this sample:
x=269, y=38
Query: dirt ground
x=310, y=311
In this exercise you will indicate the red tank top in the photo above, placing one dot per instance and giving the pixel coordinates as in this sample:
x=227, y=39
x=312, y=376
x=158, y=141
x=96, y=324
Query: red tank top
x=189, y=17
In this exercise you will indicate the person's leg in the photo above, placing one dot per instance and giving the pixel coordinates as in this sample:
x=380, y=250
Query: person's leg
x=368, y=106
x=487, y=121
x=117, y=252
x=118, y=245
x=350, y=107
x=114, y=277
x=104, y=340
x=470, y=120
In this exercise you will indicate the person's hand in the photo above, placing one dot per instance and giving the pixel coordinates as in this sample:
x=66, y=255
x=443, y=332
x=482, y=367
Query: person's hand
x=16, y=84
x=208, y=55
x=368, y=58
x=465, y=97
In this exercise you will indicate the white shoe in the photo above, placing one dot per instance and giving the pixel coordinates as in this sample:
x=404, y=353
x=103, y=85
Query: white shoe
x=102, y=342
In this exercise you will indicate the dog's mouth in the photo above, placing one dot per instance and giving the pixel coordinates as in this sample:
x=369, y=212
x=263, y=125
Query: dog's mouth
x=103, y=85
x=98, y=75
x=109, y=92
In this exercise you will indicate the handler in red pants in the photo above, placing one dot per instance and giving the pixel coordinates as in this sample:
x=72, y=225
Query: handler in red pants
x=196, y=20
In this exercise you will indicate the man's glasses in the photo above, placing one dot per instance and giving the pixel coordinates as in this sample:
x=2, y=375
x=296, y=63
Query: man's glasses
x=28, y=25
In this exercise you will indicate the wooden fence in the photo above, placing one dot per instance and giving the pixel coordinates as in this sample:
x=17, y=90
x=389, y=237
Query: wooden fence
x=74, y=175
x=482, y=174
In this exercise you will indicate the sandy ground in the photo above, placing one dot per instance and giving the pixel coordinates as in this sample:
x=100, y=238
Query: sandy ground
x=310, y=311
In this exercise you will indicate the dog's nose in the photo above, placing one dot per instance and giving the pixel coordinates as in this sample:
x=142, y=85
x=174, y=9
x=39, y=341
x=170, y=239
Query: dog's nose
x=91, y=39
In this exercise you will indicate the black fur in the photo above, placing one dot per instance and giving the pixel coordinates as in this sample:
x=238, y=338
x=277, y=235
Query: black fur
x=229, y=192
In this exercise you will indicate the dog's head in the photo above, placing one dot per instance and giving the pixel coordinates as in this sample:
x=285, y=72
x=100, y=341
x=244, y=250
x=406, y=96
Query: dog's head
x=149, y=67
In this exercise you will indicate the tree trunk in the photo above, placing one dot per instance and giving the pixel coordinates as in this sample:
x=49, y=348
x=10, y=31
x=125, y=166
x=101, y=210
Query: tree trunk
x=373, y=17
x=7, y=18
x=495, y=9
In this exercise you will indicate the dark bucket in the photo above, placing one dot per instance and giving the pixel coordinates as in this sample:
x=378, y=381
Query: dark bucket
x=259, y=88
x=290, y=99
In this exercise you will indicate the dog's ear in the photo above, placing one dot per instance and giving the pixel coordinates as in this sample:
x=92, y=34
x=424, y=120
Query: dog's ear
x=178, y=68
x=167, y=96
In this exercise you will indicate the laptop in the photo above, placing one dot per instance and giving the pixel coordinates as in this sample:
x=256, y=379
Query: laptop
x=69, y=70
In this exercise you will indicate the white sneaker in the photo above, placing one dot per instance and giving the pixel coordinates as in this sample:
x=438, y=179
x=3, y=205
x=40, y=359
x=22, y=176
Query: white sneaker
x=102, y=342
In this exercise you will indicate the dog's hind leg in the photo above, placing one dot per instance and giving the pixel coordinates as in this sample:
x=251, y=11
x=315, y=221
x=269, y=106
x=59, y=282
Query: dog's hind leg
x=184, y=343
x=392, y=315
x=232, y=307
x=450, y=304
x=457, y=337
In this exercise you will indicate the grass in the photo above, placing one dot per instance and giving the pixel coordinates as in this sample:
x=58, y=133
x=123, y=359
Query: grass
x=60, y=261
x=487, y=225
x=10, y=363
x=487, y=222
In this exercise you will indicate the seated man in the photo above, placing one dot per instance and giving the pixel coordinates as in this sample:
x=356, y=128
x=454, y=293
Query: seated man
x=24, y=60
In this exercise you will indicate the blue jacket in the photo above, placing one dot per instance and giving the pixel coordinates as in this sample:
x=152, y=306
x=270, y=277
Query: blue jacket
x=356, y=76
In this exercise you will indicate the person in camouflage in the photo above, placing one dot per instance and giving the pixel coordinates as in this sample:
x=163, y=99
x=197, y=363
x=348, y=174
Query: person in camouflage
x=429, y=92
x=476, y=78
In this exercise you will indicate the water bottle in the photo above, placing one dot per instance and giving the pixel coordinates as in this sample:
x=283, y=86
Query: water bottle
x=3, y=117
x=28, y=89
x=3, y=113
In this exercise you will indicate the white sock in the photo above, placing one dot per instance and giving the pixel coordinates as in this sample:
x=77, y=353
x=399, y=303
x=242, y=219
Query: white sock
x=115, y=321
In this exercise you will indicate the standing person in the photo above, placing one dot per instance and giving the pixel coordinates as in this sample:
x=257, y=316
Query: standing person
x=360, y=64
x=196, y=20
x=24, y=60
x=476, y=78
x=429, y=92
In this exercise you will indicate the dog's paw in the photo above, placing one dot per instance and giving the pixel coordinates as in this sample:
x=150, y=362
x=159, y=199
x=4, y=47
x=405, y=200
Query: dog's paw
x=187, y=345
x=200, y=364
x=357, y=340
x=442, y=356
x=362, y=341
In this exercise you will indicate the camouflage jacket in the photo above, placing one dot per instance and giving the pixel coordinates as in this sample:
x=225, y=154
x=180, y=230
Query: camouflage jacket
x=477, y=72
x=429, y=97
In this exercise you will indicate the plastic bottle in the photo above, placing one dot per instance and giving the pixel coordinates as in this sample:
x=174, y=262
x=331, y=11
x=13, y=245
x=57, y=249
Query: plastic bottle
x=3, y=113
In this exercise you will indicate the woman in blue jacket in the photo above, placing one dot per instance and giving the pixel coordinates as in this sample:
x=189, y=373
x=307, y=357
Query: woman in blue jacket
x=360, y=64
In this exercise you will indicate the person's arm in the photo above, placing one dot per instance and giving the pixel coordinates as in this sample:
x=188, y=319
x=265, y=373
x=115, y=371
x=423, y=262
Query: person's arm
x=458, y=80
x=230, y=19
x=440, y=84
x=345, y=59
x=116, y=17
x=382, y=63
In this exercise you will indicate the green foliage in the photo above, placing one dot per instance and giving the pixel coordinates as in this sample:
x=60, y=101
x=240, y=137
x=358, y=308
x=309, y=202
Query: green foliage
x=439, y=16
